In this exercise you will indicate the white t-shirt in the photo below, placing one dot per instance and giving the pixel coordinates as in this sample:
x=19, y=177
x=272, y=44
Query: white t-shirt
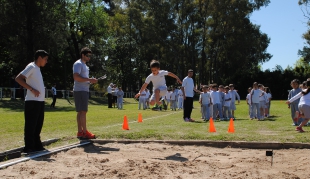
x=262, y=97
x=34, y=78
x=173, y=95
x=142, y=94
x=83, y=70
x=188, y=84
x=168, y=95
x=304, y=99
x=180, y=93
x=269, y=96
x=248, y=96
x=233, y=95
x=159, y=81
x=255, y=95
x=205, y=98
x=227, y=103
x=109, y=89
x=215, y=96
x=147, y=95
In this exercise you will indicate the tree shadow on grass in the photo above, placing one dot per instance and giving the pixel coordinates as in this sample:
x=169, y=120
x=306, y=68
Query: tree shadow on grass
x=14, y=105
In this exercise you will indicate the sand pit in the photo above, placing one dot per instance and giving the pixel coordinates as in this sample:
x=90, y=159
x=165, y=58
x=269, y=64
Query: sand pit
x=152, y=160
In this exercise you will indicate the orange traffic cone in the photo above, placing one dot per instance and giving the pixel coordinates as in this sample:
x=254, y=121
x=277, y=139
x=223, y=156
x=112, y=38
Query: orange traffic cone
x=140, y=117
x=125, y=123
x=231, y=127
x=211, y=128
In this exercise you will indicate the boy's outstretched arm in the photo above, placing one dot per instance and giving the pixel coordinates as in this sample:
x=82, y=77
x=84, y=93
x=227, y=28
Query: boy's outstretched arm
x=142, y=89
x=175, y=76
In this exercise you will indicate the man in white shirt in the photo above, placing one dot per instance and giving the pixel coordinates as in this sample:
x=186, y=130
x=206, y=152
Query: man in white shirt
x=110, y=96
x=81, y=92
x=188, y=96
x=34, y=101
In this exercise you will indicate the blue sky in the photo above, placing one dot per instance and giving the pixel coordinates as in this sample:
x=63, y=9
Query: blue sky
x=284, y=23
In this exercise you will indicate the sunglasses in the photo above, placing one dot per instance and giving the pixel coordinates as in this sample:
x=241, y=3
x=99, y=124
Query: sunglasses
x=88, y=56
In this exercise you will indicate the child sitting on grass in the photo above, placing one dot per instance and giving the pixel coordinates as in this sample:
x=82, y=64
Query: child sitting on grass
x=157, y=77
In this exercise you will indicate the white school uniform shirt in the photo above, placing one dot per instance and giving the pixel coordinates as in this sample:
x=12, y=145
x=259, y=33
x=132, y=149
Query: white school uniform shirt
x=215, y=96
x=173, y=96
x=227, y=103
x=180, y=94
x=159, y=81
x=34, y=78
x=168, y=95
x=269, y=96
x=147, y=94
x=262, y=97
x=233, y=95
x=304, y=99
x=205, y=98
x=255, y=95
x=248, y=96
x=188, y=84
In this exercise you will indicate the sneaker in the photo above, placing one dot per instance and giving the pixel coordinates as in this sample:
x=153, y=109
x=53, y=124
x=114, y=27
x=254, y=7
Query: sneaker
x=186, y=120
x=80, y=135
x=299, y=129
x=89, y=135
x=191, y=120
x=294, y=124
x=156, y=108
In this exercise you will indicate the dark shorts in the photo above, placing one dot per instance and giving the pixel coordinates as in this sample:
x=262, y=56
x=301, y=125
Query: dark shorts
x=81, y=100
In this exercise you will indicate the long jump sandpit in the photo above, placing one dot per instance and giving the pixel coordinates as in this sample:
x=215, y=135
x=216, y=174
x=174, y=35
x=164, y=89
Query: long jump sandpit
x=165, y=159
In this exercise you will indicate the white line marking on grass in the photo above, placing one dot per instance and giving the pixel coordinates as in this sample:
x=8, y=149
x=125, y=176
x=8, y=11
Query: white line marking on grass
x=142, y=120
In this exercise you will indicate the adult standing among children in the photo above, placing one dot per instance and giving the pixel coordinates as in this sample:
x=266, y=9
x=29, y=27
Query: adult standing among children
x=110, y=96
x=34, y=101
x=54, y=92
x=188, y=96
x=81, y=92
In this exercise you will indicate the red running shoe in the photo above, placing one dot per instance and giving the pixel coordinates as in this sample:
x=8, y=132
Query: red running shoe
x=299, y=129
x=89, y=135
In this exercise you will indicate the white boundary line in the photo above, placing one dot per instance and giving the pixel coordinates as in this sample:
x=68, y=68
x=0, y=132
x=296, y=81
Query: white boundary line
x=142, y=119
x=40, y=154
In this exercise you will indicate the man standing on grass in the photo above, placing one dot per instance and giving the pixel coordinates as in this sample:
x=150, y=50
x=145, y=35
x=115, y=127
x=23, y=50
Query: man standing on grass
x=34, y=101
x=188, y=89
x=81, y=92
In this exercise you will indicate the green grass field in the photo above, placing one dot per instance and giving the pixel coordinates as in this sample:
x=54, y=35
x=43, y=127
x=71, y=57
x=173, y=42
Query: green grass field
x=158, y=125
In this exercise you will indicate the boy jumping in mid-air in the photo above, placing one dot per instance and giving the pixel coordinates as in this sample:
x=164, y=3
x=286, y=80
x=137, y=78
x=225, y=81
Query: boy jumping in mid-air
x=157, y=77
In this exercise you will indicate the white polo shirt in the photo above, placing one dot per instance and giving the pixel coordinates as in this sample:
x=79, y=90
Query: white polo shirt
x=159, y=81
x=34, y=78
x=188, y=84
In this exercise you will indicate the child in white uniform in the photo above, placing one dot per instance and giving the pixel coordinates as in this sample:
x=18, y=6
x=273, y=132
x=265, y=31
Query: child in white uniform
x=157, y=77
x=227, y=103
x=205, y=101
x=303, y=106
x=180, y=99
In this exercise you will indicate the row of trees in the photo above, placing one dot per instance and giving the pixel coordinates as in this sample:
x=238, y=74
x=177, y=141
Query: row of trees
x=215, y=38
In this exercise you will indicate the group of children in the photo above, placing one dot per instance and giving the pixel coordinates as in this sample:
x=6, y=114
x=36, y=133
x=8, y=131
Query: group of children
x=173, y=99
x=299, y=103
x=218, y=102
x=258, y=100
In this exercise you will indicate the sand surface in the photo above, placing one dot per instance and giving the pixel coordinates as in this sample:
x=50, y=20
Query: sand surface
x=152, y=160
